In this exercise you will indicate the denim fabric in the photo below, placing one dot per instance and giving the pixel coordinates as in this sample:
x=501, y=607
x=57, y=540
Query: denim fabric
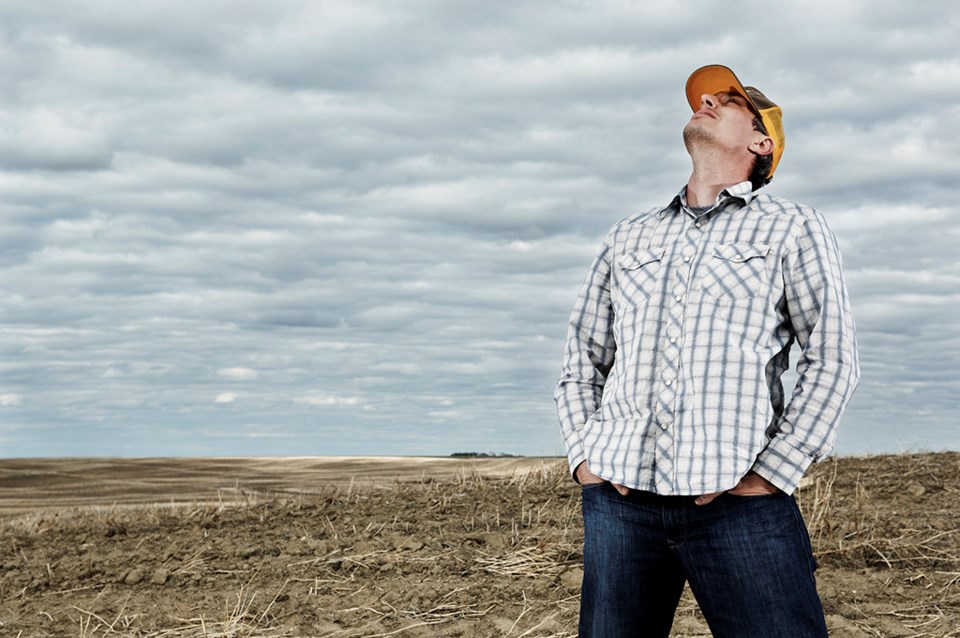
x=747, y=558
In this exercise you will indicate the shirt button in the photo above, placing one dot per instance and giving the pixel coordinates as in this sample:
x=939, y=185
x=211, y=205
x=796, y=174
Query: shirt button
x=679, y=298
x=686, y=259
x=697, y=224
x=673, y=339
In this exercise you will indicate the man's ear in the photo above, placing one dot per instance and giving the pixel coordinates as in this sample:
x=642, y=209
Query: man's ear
x=763, y=146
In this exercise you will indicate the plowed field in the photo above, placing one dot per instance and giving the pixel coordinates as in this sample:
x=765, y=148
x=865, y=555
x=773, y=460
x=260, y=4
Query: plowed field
x=344, y=548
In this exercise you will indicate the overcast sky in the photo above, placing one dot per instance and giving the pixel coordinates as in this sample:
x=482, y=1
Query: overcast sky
x=353, y=227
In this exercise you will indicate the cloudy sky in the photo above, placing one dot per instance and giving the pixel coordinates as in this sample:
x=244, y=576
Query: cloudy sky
x=358, y=227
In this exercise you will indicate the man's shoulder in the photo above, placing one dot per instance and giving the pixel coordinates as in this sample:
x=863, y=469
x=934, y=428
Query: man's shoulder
x=637, y=219
x=803, y=219
x=776, y=205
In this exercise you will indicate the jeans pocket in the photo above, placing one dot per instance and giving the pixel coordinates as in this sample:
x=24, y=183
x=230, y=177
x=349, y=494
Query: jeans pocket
x=590, y=486
x=746, y=497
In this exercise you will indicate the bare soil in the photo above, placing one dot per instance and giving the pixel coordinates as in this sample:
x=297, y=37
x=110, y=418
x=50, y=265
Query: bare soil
x=343, y=548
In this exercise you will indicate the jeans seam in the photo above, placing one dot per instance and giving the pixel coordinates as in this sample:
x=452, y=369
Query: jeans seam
x=805, y=537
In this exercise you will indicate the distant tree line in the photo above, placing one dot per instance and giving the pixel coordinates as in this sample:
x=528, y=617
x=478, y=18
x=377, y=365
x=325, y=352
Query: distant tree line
x=483, y=455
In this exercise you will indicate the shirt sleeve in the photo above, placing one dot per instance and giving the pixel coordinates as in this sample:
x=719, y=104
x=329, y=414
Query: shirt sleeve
x=818, y=307
x=588, y=355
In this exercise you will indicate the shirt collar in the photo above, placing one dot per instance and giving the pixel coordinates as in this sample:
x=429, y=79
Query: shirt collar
x=742, y=191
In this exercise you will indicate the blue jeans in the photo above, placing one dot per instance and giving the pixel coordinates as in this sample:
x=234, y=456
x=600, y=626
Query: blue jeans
x=748, y=560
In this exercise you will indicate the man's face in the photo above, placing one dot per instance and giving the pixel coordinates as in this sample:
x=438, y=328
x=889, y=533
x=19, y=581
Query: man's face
x=723, y=119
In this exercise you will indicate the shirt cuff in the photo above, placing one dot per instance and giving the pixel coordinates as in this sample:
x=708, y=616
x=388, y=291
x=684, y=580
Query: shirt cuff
x=782, y=465
x=574, y=458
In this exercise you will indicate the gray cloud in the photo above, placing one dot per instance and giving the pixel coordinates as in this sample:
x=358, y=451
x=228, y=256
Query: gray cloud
x=358, y=227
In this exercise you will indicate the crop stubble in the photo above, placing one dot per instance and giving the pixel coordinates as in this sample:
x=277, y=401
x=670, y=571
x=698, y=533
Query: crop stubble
x=482, y=548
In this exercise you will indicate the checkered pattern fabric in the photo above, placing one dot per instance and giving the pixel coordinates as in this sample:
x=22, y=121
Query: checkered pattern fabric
x=680, y=335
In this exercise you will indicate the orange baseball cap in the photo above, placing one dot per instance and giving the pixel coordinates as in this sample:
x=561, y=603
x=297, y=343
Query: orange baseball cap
x=716, y=78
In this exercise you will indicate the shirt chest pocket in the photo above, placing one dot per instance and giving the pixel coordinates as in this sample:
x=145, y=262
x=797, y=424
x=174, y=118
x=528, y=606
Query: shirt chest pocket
x=736, y=271
x=637, y=274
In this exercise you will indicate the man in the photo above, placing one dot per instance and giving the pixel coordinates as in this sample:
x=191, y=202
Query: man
x=670, y=401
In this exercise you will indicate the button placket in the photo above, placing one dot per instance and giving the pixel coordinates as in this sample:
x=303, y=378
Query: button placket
x=669, y=361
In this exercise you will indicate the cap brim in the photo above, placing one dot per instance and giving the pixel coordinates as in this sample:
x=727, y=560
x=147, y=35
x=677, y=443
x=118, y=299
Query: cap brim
x=714, y=79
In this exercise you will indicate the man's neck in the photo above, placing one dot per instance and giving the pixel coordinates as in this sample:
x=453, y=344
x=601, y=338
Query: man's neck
x=711, y=174
x=700, y=194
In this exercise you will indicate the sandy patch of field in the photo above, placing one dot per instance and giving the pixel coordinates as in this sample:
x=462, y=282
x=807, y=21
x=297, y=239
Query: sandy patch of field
x=29, y=485
x=414, y=548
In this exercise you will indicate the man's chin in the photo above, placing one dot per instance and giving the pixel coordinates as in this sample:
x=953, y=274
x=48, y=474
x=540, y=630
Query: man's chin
x=694, y=134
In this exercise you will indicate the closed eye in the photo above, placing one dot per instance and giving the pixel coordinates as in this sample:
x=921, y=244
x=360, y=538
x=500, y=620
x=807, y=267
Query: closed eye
x=735, y=98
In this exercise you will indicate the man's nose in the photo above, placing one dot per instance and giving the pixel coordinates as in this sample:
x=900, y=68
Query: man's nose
x=709, y=100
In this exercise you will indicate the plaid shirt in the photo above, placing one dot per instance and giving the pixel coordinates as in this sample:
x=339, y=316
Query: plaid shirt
x=679, y=337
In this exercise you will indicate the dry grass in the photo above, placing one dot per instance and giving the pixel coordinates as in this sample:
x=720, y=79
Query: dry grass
x=465, y=556
x=896, y=522
x=859, y=528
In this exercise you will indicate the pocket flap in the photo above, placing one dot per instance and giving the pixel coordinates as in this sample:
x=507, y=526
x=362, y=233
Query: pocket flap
x=638, y=258
x=741, y=251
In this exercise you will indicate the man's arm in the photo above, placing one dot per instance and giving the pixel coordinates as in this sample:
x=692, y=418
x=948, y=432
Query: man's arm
x=829, y=369
x=588, y=356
